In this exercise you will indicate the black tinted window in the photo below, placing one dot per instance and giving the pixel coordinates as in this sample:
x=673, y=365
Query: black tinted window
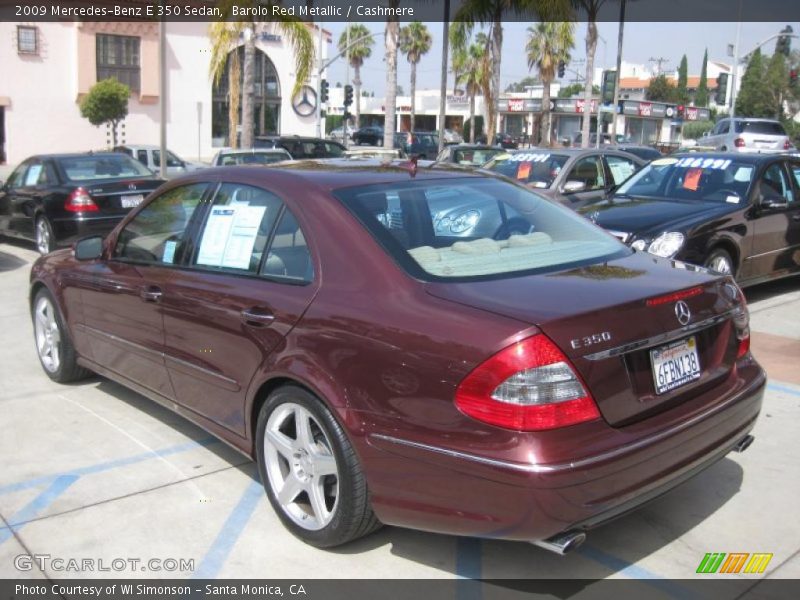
x=101, y=166
x=157, y=234
x=762, y=127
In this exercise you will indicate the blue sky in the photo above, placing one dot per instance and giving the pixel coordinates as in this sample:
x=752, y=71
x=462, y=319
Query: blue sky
x=642, y=42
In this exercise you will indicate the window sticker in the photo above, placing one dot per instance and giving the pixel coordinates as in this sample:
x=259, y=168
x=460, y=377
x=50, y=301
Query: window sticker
x=169, y=252
x=524, y=171
x=528, y=157
x=732, y=199
x=703, y=163
x=692, y=179
x=32, y=176
x=230, y=235
x=664, y=161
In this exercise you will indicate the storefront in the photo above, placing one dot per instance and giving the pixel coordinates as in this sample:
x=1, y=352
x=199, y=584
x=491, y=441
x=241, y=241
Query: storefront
x=518, y=115
x=648, y=123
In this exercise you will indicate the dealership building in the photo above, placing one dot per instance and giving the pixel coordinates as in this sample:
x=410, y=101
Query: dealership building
x=47, y=67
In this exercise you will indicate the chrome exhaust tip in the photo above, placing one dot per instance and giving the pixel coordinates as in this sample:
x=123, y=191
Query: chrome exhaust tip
x=744, y=443
x=562, y=543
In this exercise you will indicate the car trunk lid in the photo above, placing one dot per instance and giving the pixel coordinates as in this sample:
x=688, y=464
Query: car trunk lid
x=120, y=196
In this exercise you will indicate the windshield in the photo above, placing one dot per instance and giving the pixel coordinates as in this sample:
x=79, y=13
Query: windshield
x=537, y=168
x=102, y=166
x=692, y=178
x=460, y=229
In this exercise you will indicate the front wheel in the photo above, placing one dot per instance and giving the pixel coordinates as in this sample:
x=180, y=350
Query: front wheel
x=720, y=261
x=310, y=471
x=56, y=352
x=45, y=241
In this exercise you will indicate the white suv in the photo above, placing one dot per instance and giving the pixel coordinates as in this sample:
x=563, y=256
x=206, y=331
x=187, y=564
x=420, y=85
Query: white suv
x=748, y=135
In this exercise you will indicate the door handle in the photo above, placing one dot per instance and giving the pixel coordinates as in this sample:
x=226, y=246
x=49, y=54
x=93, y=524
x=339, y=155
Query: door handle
x=151, y=293
x=257, y=317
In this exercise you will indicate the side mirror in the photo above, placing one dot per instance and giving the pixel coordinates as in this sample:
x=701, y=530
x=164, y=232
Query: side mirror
x=90, y=248
x=574, y=186
x=772, y=202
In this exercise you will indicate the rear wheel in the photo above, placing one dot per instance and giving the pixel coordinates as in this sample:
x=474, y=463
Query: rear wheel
x=56, y=352
x=45, y=241
x=720, y=261
x=310, y=471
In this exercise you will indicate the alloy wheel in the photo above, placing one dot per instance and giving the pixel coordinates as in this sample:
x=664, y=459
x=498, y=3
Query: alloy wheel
x=301, y=467
x=720, y=264
x=42, y=236
x=48, y=335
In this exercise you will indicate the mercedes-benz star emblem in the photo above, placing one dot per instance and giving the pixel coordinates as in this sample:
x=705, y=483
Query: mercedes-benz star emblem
x=682, y=312
x=131, y=186
x=304, y=102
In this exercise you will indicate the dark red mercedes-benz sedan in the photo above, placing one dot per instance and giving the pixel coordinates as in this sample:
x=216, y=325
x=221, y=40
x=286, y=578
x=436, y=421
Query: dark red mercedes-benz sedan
x=429, y=348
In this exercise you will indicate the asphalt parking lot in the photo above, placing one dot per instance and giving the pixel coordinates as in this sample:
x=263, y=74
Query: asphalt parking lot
x=94, y=471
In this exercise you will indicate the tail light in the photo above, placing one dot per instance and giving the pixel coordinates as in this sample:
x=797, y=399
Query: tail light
x=80, y=201
x=787, y=144
x=528, y=386
x=741, y=321
x=738, y=142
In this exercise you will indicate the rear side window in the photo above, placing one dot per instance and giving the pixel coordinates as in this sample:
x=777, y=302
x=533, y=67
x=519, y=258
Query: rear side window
x=288, y=256
x=157, y=234
x=463, y=229
x=237, y=228
x=760, y=127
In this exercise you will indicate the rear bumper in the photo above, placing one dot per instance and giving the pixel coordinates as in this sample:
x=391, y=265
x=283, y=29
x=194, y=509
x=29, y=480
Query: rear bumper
x=68, y=231
x=433, y=488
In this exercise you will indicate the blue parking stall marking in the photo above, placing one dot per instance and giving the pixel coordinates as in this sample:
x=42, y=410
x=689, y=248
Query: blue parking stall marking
x=231, y=530
x=626, y=569
x=109, y=465
x=779, y=387
x=469, y=558
x=37, y=505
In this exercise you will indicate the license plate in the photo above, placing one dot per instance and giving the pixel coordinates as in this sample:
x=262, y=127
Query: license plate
x=675, y=364
x=132, y=201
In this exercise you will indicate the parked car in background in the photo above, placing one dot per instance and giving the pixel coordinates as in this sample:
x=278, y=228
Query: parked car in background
x=360, y=153
x=451, y=136
x=572, y=176
x=748, y=135
x=55, y=199
x=605, y=139
x=339, y=134
x=422, y=144
x=524, y=387
x=468, y=154
x=734, y=213
x=254, y=156
x=371, y=134
x=505, y=140
x=301, y=147
x=150, y=156
x=643, y=152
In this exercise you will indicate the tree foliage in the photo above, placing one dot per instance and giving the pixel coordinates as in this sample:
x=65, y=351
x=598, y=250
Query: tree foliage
x=106, y=102
x=662, y=89
x=519, y=86
x=361, y=49
x=701, y=96
x=576, y=89
x=754, y=100
x=415, y=42
x=695, y=129
x=682, y=92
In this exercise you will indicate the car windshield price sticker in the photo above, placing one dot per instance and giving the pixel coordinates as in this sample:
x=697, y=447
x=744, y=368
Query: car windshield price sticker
x=675, y=365
x=230, y=235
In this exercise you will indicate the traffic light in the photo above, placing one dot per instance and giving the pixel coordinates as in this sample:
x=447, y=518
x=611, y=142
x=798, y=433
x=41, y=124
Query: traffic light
x=681, y=109
x=323, y=91
x=609, y=82
x=562, y=69
x=348, y=95
x=722, y=88
x=784, y=43
x=793, y=77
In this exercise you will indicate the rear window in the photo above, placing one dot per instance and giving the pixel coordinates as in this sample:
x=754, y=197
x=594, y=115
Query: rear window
x=464, y=229
x=254, y=158
x=96, y=167
x=760, y=127
x=474, y=157
x=537, y=168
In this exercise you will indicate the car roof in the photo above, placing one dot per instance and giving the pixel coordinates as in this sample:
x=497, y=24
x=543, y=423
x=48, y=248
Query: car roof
x=759, y=119
x=336, y=173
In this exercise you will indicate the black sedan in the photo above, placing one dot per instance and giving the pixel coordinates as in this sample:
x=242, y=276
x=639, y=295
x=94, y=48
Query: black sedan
x=733, y=213
x=55, y=199
x=372, y=135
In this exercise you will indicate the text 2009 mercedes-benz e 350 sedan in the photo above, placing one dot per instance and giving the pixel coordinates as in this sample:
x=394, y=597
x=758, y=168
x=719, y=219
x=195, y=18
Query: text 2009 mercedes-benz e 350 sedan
x=525, y=386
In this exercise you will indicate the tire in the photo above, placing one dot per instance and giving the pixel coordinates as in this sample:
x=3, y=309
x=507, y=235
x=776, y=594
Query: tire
x=43, y=232
x=323, y=510
x=720, y=261
x=53, y=346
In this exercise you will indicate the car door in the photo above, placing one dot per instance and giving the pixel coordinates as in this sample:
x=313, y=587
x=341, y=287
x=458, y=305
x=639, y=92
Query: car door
x=8, y=195
x=247, y=283
x=122, y=296
x=589, y=171
x=775, y=228
x=26, y=199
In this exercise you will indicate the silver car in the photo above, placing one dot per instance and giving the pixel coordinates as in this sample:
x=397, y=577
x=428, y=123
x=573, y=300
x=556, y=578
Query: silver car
x=748, y=135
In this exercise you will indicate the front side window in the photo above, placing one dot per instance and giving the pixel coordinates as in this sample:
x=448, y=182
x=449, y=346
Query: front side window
x=776, y=182
x=237, y=229
x=118, y=58
x=589, y=172
x=620, y=167
x=461, y=229
x=157, y=234
x=17, y=178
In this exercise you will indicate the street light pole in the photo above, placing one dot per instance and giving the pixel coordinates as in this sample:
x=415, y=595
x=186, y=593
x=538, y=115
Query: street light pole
x=162, y=94
x=443, y=85
x=619, y=71
x=736, y=61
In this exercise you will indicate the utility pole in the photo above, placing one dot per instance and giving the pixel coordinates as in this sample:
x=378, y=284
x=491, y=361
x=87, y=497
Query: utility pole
x=619, y=71
x=443, y=86
x=319, y=79
x=659, y=61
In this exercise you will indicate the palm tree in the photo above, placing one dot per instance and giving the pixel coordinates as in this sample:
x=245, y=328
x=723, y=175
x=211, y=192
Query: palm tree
x=490, y=12
x=415, y=42
x=358, y=53
x=392, y=34
x=548, y=44
x=591, y=8
x=470, y=67
x=225, y=38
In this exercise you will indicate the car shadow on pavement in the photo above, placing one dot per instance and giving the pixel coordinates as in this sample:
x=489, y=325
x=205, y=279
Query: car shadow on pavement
x=768, y=290
x=9, y=262
x=609, y=549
